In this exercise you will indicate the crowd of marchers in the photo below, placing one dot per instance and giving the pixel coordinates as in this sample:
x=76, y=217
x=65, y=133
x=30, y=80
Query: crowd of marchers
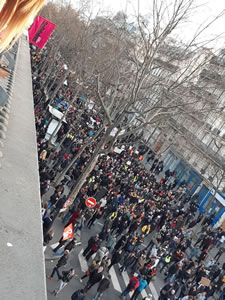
x=132, y=202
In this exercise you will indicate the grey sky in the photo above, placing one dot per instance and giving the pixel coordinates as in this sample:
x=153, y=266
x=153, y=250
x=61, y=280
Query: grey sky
x=208, y=10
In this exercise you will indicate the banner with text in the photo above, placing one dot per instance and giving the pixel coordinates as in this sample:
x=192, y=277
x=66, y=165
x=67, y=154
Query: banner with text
x=40, y=31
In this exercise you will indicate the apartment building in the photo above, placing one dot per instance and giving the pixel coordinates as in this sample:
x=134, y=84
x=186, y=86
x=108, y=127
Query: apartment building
x=191, y=139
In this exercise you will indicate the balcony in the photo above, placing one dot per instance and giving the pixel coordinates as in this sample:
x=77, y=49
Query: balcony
x=197, y=143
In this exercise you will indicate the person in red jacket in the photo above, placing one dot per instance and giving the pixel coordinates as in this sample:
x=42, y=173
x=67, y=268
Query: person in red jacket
x=132, y=285
x=75, y=215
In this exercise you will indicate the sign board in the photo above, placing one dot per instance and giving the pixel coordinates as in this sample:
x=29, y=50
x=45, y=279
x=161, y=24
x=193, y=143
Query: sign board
x=40, y=31
x=67, y=203
x=205, y=281
x=114, y=131
x=90, y=202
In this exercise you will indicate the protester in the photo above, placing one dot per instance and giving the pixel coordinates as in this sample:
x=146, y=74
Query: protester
x=64, y=280
x=132, y=286
x=136, y=208
x=102, y=287
x=78, y=295
x=61, y=262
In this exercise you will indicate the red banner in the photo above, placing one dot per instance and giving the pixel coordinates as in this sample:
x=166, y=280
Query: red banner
x=40, y=31
x=68, y=232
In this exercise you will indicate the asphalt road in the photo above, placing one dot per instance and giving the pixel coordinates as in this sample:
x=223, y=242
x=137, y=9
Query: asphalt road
x=76, y=260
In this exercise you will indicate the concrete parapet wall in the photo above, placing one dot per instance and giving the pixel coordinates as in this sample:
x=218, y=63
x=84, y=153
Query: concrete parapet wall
x=22, y=275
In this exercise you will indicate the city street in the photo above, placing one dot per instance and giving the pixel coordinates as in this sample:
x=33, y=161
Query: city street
x=77, y=261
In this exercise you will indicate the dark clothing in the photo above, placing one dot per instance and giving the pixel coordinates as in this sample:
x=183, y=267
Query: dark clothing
x=116, y=257
x=54, y=198
x=47, y=239
x=94, y=247
x=62, y=261
x=78, y=295
x=103, y=285
x=66, y=276
x=91, y=241
x=94, y=278
x=70, y=245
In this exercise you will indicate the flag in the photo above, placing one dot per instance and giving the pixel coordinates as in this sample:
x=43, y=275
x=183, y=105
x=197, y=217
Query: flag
x=40, y=31
x=68, y=232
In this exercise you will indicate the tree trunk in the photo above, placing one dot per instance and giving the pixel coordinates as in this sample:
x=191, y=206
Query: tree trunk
x=63, y=173
x=90, y=165
x=50, y=67
x=60, y=144
x=59, y=85
x=48, y=90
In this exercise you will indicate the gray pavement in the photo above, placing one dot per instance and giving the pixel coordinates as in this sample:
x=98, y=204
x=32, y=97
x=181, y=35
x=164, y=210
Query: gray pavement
x=76, y=261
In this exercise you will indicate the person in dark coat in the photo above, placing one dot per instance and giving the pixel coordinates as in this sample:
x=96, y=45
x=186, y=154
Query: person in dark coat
x=102, y=287
x=54, y=199
x=94, y=248
x=48, y=237
x=128, y=261
x=71, y=245
x=78, y=295
x=91, y=241
x=121, y=242
x=45, y=187
x=94, y=278
x=61, y=262
x=64, y=280
x=165, y=290
x=59, y=205
x=116, y=258
x=47, y=224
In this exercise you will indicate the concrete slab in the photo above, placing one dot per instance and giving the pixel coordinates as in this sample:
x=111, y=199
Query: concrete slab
x=22, y=275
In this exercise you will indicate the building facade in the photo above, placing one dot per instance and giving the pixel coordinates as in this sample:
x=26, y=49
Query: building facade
x=191, y=141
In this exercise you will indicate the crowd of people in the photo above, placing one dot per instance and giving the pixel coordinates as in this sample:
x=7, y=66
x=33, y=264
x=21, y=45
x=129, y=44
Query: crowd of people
x=135, y=206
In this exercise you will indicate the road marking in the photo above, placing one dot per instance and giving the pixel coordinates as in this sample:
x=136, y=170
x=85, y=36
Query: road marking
x=83, y=262
x=126, y=278
x=99, y=223
x=153, y=290
x=144, y=294
x=115, y=281
x=53, y=246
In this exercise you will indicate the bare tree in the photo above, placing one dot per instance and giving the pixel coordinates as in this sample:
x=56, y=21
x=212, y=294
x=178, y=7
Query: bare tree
x=127, y=91
x=137, y=98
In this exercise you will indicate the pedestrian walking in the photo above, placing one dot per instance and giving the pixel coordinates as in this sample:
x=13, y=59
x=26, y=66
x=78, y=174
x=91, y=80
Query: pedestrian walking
x=93, y=266
x=102, y=287
x=78, y=295
x=219, y=253
x=94, y=248
x=132, y=285
x=94, y=278
x=91, y=241
x=142, y=285
x=61, y=262
x=64, y=280
x=116, y=258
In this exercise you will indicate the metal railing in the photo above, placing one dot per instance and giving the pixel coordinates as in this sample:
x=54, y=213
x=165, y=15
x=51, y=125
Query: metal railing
x=7, y=73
